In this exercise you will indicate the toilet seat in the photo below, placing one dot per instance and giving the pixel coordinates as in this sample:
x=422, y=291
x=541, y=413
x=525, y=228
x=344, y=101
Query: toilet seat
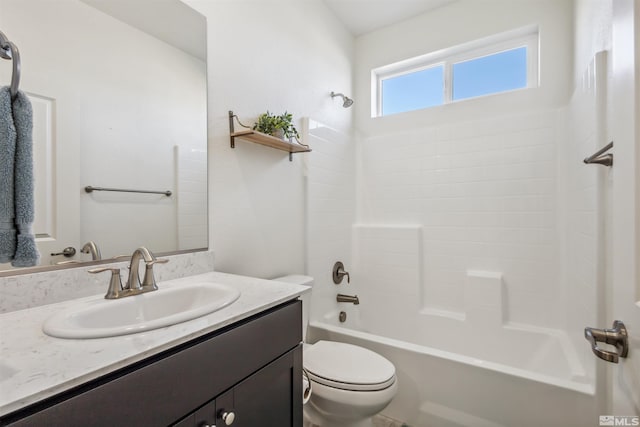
x=349, y=386
x=348, y=367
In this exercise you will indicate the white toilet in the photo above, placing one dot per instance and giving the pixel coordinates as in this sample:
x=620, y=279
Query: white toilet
x=350, y=384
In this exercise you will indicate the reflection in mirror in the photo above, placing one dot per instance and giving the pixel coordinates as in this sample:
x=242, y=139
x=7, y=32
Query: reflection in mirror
x=118, y=90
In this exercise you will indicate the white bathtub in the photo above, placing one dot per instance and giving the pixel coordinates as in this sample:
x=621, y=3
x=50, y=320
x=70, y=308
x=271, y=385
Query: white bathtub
x=453, y=373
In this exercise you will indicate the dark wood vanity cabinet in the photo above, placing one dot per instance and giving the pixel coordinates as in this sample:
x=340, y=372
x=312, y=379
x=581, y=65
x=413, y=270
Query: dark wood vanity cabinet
x=263, y=399
x=248, y=374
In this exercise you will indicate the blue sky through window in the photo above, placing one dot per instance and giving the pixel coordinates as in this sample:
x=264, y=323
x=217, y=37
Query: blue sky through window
x=490, y=74
x=483, y=75
x=413, y=91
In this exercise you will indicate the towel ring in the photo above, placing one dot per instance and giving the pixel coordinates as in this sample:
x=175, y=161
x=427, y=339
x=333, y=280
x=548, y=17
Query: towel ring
x=8, y=50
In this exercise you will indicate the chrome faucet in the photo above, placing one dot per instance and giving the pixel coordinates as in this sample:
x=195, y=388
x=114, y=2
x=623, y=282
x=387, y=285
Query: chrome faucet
x=91, y=248
x=134, y=286
x=348, y=298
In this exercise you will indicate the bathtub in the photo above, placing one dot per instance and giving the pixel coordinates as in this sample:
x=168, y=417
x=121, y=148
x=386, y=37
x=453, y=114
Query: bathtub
x=452, y=373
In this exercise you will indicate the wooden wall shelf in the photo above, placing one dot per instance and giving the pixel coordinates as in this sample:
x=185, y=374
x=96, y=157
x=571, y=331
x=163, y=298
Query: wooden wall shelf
x=264, y=139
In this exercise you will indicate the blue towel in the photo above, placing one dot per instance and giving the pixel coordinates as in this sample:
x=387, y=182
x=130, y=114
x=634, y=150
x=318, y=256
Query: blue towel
x=17, y=242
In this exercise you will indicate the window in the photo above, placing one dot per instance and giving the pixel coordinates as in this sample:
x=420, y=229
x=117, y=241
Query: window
x=412, y=91
x=495, y=73
x=496, y=64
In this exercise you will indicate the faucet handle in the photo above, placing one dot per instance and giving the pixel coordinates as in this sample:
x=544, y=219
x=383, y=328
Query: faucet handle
x=102, y=269
x=157, y=261
x=149, y=281
x=115, y=284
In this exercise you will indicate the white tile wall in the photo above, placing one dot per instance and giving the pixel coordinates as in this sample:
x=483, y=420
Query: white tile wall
x=583, y=193
x=485, y=193
x=387, y=269
x=331, y=195
x=191, y=189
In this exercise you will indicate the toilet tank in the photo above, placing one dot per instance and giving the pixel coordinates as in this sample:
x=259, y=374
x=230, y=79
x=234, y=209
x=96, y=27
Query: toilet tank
x=300, y=279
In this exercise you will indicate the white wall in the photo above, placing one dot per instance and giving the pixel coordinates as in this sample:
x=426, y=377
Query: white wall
x=114, y=88
x=267, y=55
x=592, y=33
x=480, y=175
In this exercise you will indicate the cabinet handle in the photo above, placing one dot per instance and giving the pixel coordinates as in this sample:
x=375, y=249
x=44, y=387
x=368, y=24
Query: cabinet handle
x=228, y=418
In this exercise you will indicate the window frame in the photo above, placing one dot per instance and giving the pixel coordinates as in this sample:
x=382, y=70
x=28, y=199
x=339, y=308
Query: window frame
x=524, y=37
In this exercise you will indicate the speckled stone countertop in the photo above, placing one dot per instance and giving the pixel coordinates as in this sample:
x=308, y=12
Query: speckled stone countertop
x=34, y=366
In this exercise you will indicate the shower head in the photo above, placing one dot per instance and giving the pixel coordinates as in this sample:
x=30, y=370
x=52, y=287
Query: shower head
x=347, y=102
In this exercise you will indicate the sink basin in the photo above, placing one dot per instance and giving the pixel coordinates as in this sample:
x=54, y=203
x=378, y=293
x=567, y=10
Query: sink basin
x=129, y=315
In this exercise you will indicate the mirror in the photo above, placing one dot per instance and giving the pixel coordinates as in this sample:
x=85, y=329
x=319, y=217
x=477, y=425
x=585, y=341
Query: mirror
x=118, y=91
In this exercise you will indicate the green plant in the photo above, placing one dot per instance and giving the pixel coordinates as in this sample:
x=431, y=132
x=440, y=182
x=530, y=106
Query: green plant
x=271, y=124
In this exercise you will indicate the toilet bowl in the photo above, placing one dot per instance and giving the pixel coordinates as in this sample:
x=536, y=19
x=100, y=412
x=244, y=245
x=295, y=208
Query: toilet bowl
x=350, y=384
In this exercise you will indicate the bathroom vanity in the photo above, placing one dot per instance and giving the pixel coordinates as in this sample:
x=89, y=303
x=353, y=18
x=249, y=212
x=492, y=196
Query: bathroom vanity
x=226, y=368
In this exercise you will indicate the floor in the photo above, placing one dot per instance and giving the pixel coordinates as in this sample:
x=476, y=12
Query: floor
x=382, y=421
x=378, y=421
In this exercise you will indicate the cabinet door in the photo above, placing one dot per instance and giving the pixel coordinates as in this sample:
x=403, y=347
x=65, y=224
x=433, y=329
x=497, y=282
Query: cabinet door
x=188, y=421
x=270, y=397
x=225, y=415
x=205, y=416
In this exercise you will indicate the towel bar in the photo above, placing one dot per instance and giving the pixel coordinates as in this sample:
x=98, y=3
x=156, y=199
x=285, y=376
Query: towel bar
x=600, y=158
x=90, y=189
x=8, y=50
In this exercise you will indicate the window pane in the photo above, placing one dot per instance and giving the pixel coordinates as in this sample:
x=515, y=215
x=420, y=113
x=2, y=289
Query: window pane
x=490, y=74
x=413, y=91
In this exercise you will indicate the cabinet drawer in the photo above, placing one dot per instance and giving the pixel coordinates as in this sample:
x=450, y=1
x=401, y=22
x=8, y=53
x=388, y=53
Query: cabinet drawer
x=162, y=389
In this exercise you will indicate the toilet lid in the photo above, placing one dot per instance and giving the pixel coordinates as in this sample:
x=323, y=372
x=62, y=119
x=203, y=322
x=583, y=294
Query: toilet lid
x=347, y=366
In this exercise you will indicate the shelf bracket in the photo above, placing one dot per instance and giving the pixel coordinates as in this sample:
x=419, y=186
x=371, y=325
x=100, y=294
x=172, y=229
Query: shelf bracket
x=231, y=130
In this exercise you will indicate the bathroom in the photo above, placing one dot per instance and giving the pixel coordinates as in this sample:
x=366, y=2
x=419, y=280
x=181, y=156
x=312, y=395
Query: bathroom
x=413, y=209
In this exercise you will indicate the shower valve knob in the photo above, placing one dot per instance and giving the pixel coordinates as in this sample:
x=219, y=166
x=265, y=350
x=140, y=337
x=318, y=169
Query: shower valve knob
x=339, y=273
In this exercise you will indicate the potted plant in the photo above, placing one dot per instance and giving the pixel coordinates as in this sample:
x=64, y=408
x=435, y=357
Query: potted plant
x=279, y=126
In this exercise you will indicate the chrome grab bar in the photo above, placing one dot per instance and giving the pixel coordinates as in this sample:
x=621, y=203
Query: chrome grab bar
x=600, y=158
x=616, y=336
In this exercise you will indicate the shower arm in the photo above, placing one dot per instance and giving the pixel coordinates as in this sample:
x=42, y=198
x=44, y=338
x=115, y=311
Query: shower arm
x=346, y=101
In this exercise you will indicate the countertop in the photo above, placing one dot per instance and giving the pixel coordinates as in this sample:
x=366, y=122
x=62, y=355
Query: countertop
x=34, y=366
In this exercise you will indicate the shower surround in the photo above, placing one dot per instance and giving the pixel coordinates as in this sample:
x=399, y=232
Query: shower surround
x=477, y=259
x=486, y=196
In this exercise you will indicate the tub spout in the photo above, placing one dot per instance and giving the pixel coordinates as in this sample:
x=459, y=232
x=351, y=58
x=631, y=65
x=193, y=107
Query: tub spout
x=348, y=298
